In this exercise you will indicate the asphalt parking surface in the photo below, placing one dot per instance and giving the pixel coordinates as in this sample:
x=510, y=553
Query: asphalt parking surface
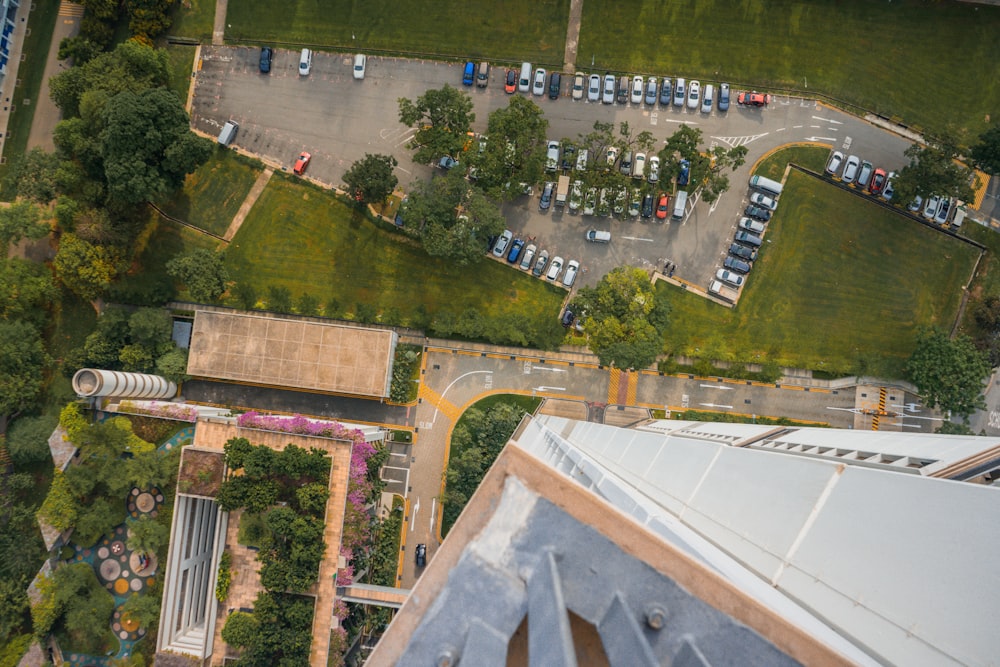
x=339, y=120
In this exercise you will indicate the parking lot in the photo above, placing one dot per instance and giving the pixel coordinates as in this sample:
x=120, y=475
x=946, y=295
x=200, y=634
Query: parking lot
x=338, y=120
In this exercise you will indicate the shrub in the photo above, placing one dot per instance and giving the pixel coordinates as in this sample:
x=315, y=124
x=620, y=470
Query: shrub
x=225, y=577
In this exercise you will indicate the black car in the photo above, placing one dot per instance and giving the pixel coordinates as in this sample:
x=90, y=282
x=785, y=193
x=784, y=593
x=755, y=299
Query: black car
x=743, y=252
x=546, y=199
x=647, y=206
x=758, y=213
x=568, y=158
x=736, y=265
x=265, y=60
x=665, y=92
x=748, y=239
x=568, y=317
x=421, y=555
x=555, y=83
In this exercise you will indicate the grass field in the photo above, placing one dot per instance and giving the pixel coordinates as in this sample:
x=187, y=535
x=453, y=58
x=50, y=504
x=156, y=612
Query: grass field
x=808, y=156
x=180, y=59
x=933, y=64
x=212, y=195
x=30, y=72
x=193, y=18
x=304, y=239
x=841, y=286
x=511, y=31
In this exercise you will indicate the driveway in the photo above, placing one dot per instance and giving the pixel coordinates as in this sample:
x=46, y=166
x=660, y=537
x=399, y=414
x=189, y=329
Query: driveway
x=339, y=120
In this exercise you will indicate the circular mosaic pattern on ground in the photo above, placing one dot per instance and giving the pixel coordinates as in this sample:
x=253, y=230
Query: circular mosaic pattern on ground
x=145, y=502
x=129, y=624
x=141, y=569
x=110, y=569
x=121, y=586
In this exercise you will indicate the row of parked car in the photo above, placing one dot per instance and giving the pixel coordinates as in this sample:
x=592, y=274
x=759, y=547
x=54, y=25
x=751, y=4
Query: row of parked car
x=525, y=258
x=853, y=170
x=747, y=241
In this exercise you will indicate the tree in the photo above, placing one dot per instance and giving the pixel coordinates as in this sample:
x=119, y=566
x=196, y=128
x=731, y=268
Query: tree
x=173, y=365
x=150, y=328
x=202, y=272
x=146, y=535
x=148, y=18
x=22, y=364
x=59, y=507
x=35, y=176
x=87, y=269
x=986, y=153
x=13, y=606
x=79, y=49
x=515, y=150
x=949, y=373
x=443, y=118
x=624, y=318
x=279, y=299
x=28, y=440
x=26, y=291
x=143, y=608
x=147, y=145
x=932, y=170
x=241, y=629
x=464, y=238
x=21, y=219
x=370, y=180
x=246, y=295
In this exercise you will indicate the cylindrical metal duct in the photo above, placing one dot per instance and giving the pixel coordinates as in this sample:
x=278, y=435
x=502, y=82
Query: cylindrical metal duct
x=89, y=382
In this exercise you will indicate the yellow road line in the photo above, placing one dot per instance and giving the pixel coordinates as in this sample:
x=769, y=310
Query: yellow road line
x=450, y=410
x=613, y=384
x=633, y=382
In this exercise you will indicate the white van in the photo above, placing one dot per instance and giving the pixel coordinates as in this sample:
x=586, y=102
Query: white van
x=305, y=62
x=228, y=133
x=524, y=79
x=680, y=204
x=766, y=185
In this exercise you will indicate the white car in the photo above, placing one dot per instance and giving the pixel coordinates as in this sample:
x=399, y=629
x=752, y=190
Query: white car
x=887, y=191
x=578, y=83
x=931, y=207
x=590, y=202
x=570, y=275
x=360, y=62
x=635, y=203
x=538, y=87
x=943, y=211
x=594, y=89
x=529, y=254
x=637, y=86
x=733, y=279
x=608, y=96
x=752, y=226
x=555, y=267
x=757, y=199
x=694, y=94
x=501, y=245
x=833, y=166
x=851, y=169
x=581, y=159
x=612, y=155
x=576, y=197
x=639, y=166
x=552, y=156
x=654, y=168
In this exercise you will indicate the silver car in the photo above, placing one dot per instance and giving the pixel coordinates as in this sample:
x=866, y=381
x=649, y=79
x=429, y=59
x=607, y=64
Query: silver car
x=609, y=89
x=538, y=87
x=694, y=94
x=594, y=89
x=851, y=168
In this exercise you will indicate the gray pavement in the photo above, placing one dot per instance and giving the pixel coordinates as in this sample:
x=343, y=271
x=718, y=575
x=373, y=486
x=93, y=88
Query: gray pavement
x=338, y=120
x=47, y=114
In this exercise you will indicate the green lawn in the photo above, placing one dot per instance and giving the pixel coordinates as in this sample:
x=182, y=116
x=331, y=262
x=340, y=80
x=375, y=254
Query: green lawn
x=30, y=73
x=808, y=156
x=306, y=240
x=841, y=286
x=511, y=31
x=934, y=64
x=193, y=18
x=180, y=59
x=212, y=195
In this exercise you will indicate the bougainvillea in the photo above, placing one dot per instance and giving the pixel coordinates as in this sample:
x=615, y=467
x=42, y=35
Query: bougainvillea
x=184, y=413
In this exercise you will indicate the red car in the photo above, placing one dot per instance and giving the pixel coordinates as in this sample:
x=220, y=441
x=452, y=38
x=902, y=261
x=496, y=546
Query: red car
x=301, y=163
x=754, y=99
x=510, y=84
x=661, y=206
x=878, y=182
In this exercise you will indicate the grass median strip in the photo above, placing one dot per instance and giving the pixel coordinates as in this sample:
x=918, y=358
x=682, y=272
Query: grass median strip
x=904, y=58
x=514, y=31
x=841, y=286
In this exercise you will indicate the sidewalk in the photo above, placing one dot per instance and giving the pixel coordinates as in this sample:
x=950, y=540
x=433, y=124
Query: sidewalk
x=47, y=114
x=10, y=77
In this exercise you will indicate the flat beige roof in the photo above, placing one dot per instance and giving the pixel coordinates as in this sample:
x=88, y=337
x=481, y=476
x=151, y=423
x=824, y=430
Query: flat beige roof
x=291, y=353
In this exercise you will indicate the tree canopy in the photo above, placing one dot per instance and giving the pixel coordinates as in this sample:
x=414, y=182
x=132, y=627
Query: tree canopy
x=370, y=180
x=202, y=271
x=623, y=317
x=443, y=118
x=986, y=153
x=932, y=170
x=514, y=151
x=22, y=364
x=949, y=373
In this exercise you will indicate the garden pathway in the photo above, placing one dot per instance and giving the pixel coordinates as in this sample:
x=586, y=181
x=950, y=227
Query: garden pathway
x=572, y=35
x=219, y=29
x=248, y=203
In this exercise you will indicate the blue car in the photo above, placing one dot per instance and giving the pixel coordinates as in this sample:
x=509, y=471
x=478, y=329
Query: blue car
x=469, y=74
x=265, y=60
x=515, y=251
x=685, y=175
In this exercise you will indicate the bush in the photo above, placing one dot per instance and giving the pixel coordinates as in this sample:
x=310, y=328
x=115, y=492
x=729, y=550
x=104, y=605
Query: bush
x=225, y=577
x=28, y=440
x=403, y=388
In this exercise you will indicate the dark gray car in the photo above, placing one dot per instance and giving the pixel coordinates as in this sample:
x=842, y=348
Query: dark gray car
x=723, y=97
x=748, y=239
x=743, y=252
x=665, y=91
x=736, y=265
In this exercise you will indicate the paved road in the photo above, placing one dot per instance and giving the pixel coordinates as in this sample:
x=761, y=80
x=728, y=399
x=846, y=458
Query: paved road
x=338, y=120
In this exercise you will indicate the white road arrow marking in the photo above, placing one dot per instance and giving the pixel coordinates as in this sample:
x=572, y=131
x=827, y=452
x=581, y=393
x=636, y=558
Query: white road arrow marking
x=551, y=370
x=713, y=405
x=716, y=386
x=636, y=238
x=433, y=514
x=413, y=516
x=821, y=139
x=549, y=388
x=828, y=120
